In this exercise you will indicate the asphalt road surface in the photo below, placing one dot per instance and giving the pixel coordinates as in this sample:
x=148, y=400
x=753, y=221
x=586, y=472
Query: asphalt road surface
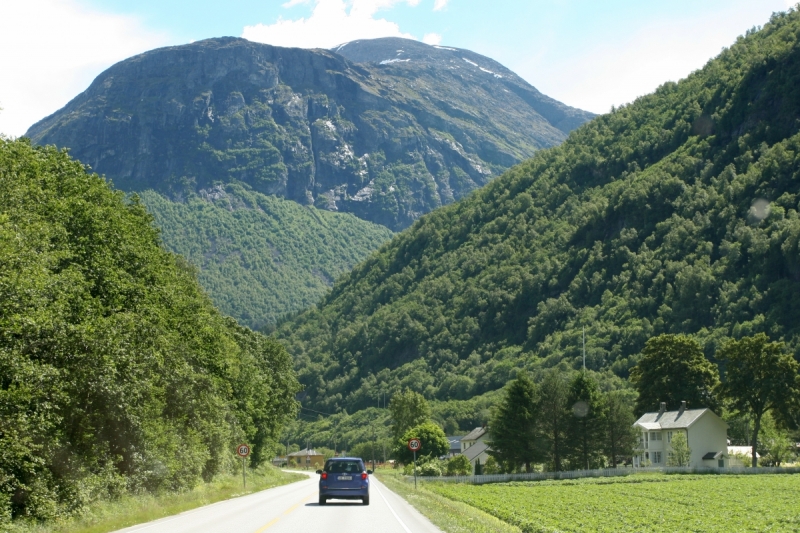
x=294, y=509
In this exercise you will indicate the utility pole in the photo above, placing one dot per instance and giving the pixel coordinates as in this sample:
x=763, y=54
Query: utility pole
x=584, y=349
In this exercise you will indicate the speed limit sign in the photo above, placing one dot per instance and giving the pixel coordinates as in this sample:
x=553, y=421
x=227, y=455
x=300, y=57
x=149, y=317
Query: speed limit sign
x=243, y=450
x=414, y=445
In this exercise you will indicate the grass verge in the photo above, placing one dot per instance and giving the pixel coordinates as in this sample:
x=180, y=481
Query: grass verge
x=449, y=515
x=105, y=516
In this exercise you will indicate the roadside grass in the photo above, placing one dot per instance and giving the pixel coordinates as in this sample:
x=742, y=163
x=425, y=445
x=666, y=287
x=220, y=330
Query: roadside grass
x=129, y=510
x=449, y=515
x=641, y=502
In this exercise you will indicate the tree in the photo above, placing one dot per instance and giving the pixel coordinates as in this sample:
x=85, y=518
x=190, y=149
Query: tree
x=775, y=445
x=408, y=409
x=459, y=466
x=555, y=416
x=492, y=466
x=673, y=369
x=759, y=378
x=513, y=426
x=585, y=426
x=619, y=437
x=434, y=443
x=680, y=453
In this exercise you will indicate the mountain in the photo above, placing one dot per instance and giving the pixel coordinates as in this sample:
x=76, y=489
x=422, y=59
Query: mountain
x=676, y=213
x=262, y=257
x=386, y=140
x=225, y=139
x=117, y=374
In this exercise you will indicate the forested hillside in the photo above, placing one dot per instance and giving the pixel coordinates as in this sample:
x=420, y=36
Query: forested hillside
x=262, y=257
x=117, y=374
x=677, y=213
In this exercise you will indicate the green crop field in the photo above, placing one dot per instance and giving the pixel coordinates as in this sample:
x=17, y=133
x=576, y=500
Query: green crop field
x=640, y=503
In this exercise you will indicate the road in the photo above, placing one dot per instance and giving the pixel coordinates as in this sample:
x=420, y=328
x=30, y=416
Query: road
x=294, y=509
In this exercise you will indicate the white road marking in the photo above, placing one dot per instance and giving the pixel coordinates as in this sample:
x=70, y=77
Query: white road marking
x=392, y=510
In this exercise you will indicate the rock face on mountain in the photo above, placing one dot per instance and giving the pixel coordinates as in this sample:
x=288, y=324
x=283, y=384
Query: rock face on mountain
x=386, y=129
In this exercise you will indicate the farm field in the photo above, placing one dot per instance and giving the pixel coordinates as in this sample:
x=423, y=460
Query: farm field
x=701, y=503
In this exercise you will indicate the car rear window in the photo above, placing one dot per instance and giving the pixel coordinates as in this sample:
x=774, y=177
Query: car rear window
x=344, y=467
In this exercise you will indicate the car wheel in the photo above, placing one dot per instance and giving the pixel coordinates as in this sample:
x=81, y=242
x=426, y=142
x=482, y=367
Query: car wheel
x=365, y=500
x=322, y=500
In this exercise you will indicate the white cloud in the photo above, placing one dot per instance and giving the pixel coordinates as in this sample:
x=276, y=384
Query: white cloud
x=432, y=38
x=438, y=5
x=618, y=71
x=50, y=50
x=331, y=22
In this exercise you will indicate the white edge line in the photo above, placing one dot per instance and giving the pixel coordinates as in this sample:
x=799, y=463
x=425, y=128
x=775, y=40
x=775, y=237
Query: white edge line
x=392, y=510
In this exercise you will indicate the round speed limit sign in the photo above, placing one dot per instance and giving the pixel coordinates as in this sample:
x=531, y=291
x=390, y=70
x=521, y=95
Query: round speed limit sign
x=414, y=445
x=243, y=450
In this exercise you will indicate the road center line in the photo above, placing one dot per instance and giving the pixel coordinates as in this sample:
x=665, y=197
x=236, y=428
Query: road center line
x=390, y=508
x=287, y=511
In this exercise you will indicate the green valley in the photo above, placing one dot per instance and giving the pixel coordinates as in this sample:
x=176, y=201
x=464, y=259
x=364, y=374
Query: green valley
x=261, y=257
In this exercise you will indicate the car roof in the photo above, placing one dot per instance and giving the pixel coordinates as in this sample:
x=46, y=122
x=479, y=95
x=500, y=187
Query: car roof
x=346, y=459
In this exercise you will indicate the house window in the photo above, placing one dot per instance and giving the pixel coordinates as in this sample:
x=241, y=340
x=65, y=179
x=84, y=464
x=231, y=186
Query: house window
x=669, y=436
x=655, y=435
x=721, y=463
x=656, y=457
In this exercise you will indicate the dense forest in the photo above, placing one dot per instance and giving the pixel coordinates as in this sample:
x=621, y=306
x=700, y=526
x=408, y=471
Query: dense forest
x=117, y=374
x=677, y=213
x=261, y=257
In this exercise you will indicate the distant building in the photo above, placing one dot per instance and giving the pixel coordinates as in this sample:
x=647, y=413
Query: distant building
x=455, y=446
x=706, y=433
x=307, y=458
x=741, y=455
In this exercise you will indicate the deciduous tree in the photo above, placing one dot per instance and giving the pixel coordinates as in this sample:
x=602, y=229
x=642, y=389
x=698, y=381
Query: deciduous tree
x=673, y=369
x=680, y=453
x=759, y=378
x=408, y=409
x=434, y=442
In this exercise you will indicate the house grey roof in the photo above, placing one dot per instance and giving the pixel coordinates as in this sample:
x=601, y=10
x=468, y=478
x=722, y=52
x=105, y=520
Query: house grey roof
x=712, y=455
x=475, y=450
x=455, y=443
x=475, y=434
x=670, y=419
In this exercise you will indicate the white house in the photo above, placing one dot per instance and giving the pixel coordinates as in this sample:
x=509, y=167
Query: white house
x=475, y=447
x=741, y=455
x=706, y=433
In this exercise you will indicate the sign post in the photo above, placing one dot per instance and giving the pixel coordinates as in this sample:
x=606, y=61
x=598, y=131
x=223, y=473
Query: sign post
x=243, y=450
x=414, y=445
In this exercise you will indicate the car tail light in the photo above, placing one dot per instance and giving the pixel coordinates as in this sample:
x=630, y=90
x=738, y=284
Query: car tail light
x=363, y=475
x=324, y=475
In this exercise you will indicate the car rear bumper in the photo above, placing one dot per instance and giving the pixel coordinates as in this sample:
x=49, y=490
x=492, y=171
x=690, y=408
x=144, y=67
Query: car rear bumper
x=344, y=494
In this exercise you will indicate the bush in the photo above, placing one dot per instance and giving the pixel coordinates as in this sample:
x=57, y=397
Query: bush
x=430, y=468
x=459, y=466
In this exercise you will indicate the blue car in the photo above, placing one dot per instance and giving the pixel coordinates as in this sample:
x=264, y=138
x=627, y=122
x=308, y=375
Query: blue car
x=344, y=478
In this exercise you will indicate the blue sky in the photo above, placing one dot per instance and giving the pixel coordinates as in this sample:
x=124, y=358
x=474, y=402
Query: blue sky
x=588, y=54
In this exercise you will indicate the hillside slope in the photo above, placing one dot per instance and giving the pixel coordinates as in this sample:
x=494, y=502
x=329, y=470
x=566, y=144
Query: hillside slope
x=386, y=142
x=676, y=213
x=262, y=257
